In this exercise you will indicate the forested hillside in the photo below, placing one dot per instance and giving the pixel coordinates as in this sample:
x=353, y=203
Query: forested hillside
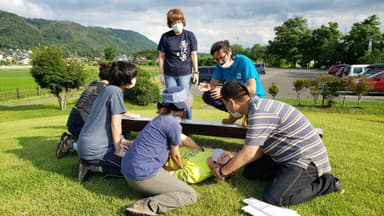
x=23, y=33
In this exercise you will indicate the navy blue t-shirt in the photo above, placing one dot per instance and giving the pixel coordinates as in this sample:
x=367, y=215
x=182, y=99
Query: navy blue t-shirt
x=150, y=149
x=177, y=49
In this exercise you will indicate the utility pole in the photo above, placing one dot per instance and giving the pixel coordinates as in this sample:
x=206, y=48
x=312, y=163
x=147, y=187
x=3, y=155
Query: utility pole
x=369, y=38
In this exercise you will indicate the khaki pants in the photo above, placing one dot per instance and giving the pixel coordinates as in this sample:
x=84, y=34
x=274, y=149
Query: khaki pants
x=168, y=192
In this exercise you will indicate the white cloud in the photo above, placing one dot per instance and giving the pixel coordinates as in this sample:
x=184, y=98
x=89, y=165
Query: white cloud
x=26, y=8
x=244, y=22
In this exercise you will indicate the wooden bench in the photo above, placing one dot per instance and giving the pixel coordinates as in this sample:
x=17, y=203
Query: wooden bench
x=207, y=128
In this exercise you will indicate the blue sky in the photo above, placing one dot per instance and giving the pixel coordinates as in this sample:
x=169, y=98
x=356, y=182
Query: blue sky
x=244, y=22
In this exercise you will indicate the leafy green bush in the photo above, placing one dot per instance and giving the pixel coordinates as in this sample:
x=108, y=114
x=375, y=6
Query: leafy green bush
x=330, y=85
x=145, y=91
x=273, y=90
x=360, y=87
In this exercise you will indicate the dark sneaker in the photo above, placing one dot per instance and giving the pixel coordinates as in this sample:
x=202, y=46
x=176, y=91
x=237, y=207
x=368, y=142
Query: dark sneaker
x=140, y=208
x=338, y=188
x=83, y=172
x=65, y=145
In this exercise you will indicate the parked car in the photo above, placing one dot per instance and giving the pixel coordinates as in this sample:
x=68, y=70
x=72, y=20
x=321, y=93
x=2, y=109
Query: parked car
x=339, y=72
x=373, y=69
x=354, y=70
x=260, y=67
x=205, y=73
x=377, y=81
x=334, y=68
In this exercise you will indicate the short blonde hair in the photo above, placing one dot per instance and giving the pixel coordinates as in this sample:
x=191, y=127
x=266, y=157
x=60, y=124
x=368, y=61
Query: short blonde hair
x=174, y=15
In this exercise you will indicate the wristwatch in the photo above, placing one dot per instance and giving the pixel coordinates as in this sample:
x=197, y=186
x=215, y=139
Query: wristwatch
x=221, y=174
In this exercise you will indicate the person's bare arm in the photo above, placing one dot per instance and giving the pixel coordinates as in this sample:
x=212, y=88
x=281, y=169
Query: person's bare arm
x=215, y=92
x=195, y=69
x=189, y=143
x=251, y=86
x=176, y=156
x=246, y=155
x=131, y=115
x=161, y=66
x=116, y=131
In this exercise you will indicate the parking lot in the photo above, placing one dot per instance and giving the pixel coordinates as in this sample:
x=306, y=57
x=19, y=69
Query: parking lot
x=284, y=79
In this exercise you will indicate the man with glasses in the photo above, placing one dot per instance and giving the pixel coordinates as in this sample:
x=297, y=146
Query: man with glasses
x=230, y=67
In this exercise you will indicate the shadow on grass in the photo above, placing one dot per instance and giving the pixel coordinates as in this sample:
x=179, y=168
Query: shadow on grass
x=40, y=151
x=28, y=107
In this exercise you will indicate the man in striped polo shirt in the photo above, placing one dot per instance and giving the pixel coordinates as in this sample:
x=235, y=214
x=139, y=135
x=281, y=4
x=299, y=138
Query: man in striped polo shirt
x=281, y=146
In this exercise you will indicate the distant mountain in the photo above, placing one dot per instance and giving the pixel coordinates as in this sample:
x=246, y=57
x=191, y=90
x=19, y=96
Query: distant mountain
x=22, y=33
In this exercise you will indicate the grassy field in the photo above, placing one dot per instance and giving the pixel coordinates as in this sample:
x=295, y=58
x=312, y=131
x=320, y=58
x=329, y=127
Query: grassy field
x=19, y=85
x=12, y=79
x=34, y=182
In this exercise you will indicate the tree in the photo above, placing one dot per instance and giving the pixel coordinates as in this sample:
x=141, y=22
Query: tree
x=358, y=39
x=325, y=47
x=273, y=90
x=361, y=87
x=299, y=87
x=50, y=70
x=206, y=60
x=144, y=92
x=238, y=49
x=329, y=85
x=110, y=53
x=314, y=88
x=258, y=53
x=289, y=40
x=150, y=54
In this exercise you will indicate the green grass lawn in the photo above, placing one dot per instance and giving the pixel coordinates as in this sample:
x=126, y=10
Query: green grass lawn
x=34, y=182
x=12, y=79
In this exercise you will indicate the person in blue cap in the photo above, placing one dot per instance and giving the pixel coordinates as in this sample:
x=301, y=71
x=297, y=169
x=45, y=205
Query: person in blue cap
x=142, y=165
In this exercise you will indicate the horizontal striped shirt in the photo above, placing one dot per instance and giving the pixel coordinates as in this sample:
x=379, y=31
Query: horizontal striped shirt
x=285, y=134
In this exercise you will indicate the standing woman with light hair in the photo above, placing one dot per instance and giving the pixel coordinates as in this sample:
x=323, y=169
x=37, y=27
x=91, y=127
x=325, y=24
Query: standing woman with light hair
x=178, y=55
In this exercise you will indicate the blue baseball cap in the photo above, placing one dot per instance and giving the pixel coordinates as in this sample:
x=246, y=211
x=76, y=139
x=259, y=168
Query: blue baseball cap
x=175, y=95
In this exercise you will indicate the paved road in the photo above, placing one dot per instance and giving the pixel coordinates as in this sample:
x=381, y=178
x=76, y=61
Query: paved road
x=284, y=79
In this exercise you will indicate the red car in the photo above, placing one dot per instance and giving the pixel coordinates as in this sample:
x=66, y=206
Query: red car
x=377, y=80
x=334, y=68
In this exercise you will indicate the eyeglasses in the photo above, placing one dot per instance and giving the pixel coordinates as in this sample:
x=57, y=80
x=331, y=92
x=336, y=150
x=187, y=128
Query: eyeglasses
x=220, y=59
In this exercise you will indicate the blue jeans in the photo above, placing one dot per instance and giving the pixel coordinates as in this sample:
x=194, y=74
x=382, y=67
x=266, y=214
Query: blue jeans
x=111, y=164
x=183, y=81
x=289, y=184
x=75, y=122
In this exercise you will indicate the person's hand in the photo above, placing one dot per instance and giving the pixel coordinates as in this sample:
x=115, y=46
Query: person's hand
x=204, y=86
x=134, y=116
x=224, y=159
x=195, y=79
x=166, y=166
x=217, y=173
x=120, y=152
x=162, y=79
x=215, y=94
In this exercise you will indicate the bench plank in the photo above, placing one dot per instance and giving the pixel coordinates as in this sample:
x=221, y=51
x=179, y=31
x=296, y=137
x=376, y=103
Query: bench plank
x=207, y=128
